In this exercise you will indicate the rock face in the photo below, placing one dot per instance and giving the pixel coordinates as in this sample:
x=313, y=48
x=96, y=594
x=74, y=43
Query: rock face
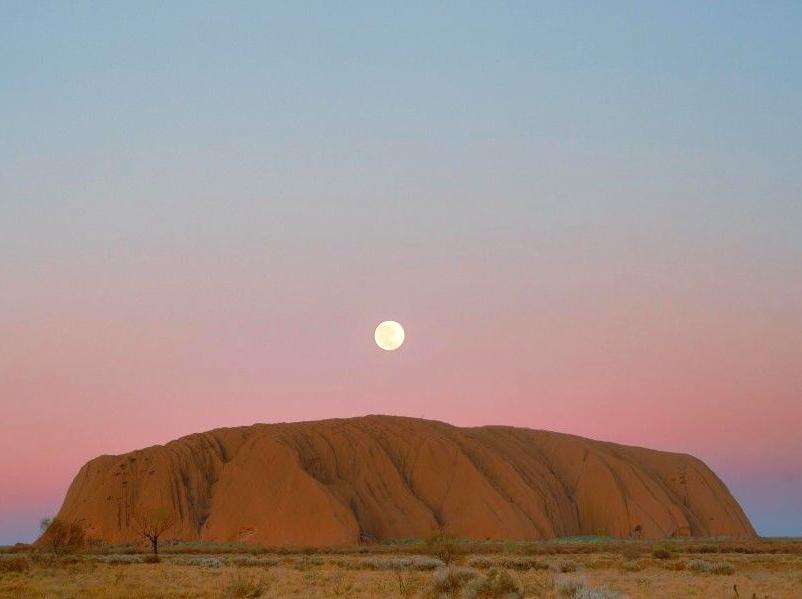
x=380, y=477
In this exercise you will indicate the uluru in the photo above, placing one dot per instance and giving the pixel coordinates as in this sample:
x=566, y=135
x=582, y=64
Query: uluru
x=345, y=481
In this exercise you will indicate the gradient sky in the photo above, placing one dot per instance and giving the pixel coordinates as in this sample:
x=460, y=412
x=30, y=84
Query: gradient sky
x=588, y=219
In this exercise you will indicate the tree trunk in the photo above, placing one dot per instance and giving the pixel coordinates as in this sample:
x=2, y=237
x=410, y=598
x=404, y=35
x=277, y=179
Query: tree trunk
x=155, y=542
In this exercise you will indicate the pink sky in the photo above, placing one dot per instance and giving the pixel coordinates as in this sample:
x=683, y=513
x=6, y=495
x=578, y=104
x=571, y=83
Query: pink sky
x=684, y=360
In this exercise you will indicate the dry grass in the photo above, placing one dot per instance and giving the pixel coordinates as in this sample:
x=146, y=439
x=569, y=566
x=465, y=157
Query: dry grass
x=593, y=569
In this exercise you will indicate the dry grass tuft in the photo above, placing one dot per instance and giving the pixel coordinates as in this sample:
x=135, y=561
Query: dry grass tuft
x=509, y=563
x=494, y=584
x=244, y=586
x=566, y=566
x=406, y=584
x=703, y=566
x=569, y=586
x=449, y=580
x=14, y=564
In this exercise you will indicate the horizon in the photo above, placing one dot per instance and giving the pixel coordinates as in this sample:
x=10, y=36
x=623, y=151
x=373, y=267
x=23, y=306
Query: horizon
x=588, y=220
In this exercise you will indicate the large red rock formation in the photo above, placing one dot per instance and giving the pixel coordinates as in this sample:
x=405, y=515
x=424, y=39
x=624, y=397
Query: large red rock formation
x=381, y=477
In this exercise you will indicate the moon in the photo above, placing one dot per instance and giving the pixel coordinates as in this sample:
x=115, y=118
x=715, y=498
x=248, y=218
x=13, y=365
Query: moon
x=389, y=335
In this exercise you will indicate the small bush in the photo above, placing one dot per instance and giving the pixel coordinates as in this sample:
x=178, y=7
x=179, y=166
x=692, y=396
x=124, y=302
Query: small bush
x=569, y=586
x=676, y=565
x=14, y=564
x=632, y=566
x=566, y=566
x=723, y=568
x=152, y=559
x=496, y=583
x=697, y=565
x=631, y=551
x=449, y=580
x=252, y=561
x=245, y=587
x=206, y=562
x=406, y=584
x=340, y=586
x=600, y=564
x=442, y=545
x=510, y=563
x=416, y=562
x=596, y=593
x=308, y=561
x=119, y=560
x=61, y=536
x=115, y=549
x=661, y=553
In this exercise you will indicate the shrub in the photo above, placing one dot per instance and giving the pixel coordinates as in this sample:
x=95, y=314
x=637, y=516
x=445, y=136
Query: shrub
x=406, y=584
x=600, y=564
x=251, y=561
x=510, y=563
x=418, y=562
x=204, y=561
x=631, y=551
x=415, y=562
x=449, y=580
x=566, y=566
x=697, y=565
x=596, y=593
x=14, y=564
x=341, y=587
x=569, y=586
x=676, y=565
x=632, y=566
x=724, y=568
x=115, y=549
x=442, y=545
x=575, y=588
x=307, y=561
x=119, y=560
x=245, y=587
x=152, y=559
x=62, y=537
x=496, y=583
x=661, y=553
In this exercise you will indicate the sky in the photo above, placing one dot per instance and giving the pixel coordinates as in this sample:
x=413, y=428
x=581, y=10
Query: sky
x=587, y=217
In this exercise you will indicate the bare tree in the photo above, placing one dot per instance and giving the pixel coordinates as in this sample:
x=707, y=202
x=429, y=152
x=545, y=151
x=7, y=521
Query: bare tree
x=62, y=536
x=45, y=523
x=442, y=545
x=151, y=523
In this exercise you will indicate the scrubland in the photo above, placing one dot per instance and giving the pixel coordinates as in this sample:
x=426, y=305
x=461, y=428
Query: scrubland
x=590, y=568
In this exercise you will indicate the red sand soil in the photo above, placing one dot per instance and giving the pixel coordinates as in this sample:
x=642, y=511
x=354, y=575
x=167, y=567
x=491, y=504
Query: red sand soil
x=381, y=477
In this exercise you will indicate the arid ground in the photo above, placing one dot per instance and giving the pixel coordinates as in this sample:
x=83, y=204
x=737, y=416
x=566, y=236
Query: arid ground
x=580, y=568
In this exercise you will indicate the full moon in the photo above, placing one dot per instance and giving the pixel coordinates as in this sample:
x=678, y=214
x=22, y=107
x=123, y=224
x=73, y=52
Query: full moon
x=389, y=335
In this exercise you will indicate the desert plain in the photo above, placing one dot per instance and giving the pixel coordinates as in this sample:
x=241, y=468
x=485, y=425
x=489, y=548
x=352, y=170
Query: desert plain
x=437, y=567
